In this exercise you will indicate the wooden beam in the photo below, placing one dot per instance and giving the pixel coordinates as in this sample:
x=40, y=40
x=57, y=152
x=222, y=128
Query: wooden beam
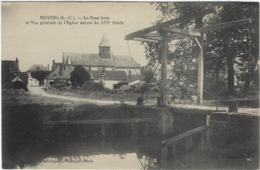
x=152, y=38
x=224, y=25
x=158, y=27
x=184, y=135
x=174, y=37
x=200, y=42
x=164, y=58
x=146, y=40
x=182, y=32
x=152, y=34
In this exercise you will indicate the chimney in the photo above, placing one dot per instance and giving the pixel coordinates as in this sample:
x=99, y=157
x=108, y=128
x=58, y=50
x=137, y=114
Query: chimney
x=17, y=62
x=53, y=65
x=48, y=67
x=61, y=69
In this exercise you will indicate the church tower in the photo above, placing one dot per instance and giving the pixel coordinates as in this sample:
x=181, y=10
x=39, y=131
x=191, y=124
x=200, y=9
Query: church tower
x=104, y=48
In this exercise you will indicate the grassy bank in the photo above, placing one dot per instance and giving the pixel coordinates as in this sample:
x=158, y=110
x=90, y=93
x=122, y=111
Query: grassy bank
x=105, y=94
x=17, y=98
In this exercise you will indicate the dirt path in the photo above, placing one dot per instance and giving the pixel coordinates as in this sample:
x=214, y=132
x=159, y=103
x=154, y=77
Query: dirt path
x=41, y=92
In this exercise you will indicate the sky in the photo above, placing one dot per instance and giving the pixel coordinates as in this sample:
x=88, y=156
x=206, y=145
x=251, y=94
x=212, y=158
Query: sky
x=41, y=44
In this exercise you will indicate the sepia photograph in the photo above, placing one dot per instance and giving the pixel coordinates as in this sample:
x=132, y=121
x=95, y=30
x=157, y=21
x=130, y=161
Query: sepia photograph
x=130, y=85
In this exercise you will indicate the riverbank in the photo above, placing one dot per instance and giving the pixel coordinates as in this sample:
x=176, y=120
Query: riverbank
x=28, y=143
x=105, y=94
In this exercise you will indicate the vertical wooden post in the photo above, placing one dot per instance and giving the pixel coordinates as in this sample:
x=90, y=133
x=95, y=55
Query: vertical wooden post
x=164, y=153
x=189, y=143
x=173, y=150
x=103, y=129
x=200, y=42
x=202, y=139
x=164, y=56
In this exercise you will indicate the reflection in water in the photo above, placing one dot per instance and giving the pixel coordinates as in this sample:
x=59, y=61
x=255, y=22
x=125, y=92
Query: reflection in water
x=28, y=144
x=102, y=161
x=78, y=146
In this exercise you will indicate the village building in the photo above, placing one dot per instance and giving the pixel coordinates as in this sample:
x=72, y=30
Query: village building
x=12, y=78
x=32, y=81
x=112, y=70
x=37, y=74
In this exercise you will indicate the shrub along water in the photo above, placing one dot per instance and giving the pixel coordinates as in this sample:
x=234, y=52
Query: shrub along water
x=97, y=91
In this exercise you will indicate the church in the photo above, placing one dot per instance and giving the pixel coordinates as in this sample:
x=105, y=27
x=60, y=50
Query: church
x=112, y=70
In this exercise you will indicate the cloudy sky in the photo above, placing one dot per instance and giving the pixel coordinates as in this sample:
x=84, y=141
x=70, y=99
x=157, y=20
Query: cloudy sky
x=40, y=44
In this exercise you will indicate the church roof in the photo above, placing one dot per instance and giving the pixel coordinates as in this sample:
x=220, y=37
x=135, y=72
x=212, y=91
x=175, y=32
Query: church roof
x=115, y=75
x=104, y=41
x=94, y=60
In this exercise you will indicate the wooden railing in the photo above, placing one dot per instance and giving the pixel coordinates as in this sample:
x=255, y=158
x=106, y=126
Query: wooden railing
x=188, y=136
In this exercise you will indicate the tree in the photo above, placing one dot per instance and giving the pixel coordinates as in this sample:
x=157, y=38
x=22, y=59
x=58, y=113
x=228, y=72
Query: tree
x=40, y=75
x=79, y=76
x=232, y=51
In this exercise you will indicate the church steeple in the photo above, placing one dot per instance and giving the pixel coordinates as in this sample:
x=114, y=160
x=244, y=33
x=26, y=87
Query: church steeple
x=104, y=48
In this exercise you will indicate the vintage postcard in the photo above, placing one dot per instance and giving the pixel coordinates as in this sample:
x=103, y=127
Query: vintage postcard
x=130, y=85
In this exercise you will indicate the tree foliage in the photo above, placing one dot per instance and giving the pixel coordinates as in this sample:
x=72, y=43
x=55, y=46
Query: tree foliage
x=231, y=54
x=40, y=75
x=79, y=76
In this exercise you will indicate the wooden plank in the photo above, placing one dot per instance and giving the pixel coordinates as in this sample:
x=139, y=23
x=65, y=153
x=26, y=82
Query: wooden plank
x=182, y=32
x=184, y=135
x=158, y=27
x=122, y=121
x=224, y=25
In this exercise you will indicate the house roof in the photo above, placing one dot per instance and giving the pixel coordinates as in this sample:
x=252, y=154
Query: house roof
x=56, y=73
x=7, y=65
x=104, y=41
x=94, y=60
x=125, y=61
x=22, y=76
x=37, y=67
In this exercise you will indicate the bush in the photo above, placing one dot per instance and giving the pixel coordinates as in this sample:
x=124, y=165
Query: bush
x=92, y=86
x=59, y=84
x=19, y=85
